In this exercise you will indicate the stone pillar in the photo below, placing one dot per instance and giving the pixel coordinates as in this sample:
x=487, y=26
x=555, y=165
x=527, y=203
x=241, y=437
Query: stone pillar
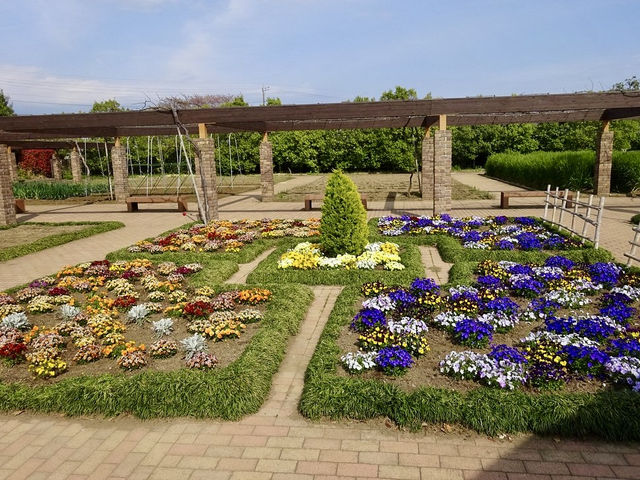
x=266, y=169
x=76, y=165
x=602, y=168
x=206, y=177
x=7, y=202
x=427, y=167
x=56, y=167
x=442, y=171
x=120, y=172
x=13, y=165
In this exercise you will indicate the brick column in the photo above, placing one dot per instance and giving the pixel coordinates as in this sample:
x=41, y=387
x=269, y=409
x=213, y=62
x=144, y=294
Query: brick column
x=266, y=169
x=7, y=202
x=76, y=165
x=13, y=165
x=602, y=168
x=120, y=172
x=56, y=167
x=442, y=171
x=206, y=177
x=427, y=166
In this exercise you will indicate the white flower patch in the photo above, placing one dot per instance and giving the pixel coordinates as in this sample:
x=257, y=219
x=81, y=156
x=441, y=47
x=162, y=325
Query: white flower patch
x=561, y=340
x=355, y=362
x=476, y=245
x=381, y=302
x=447, y=320
x=407, y=326
x=631, y=292
x=568, y=298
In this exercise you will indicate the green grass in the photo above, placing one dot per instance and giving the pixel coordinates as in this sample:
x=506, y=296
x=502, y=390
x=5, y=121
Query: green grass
x=268, y=272
x=228, y=393
x=572, y=170
x=58, y=190
x=614, y=415
x=93, y=228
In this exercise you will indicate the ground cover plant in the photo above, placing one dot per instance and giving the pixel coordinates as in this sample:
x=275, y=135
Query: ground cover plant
x=572, y=170
x=548, y=348
x=181, y=370
x=28, y=237
x=481, y=233
x=58, y=190
x=128, y=313
x=226, y=236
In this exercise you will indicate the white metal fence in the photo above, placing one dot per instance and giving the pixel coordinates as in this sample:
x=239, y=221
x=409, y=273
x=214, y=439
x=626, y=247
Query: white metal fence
x=634, y=243
x=583, y=218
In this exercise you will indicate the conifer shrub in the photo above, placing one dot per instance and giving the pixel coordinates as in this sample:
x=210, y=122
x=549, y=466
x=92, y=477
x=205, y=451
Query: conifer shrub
x=343, y=226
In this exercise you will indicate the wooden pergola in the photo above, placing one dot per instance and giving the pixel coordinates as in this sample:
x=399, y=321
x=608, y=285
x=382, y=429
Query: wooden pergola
x=436, y=151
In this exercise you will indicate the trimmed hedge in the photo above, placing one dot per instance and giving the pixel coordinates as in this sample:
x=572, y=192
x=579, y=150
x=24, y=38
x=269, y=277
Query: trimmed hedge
x=614, y=415
x=93, y=228
x=227, y=393
x=572, y=170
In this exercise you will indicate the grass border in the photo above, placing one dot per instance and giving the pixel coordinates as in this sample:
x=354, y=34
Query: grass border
x=228, y=393
x=93, y=228
x=613, y=415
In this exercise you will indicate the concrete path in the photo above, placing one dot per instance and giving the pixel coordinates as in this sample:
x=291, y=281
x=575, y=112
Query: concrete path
x=435, y=267
x=244, y=269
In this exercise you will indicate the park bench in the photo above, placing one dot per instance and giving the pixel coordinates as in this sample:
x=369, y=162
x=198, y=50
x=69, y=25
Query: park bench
x=505, y=196
x=309, y=198
x=20, y=206
x=133, y=201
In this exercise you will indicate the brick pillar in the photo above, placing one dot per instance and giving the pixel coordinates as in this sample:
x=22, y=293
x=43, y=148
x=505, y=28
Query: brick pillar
x=120, y=173
x=76, y=165
x=602, y=168
x=7, y=202
x=206, y=177
x=427, y=167
x=442, y=171
x=13, y=165
x=266, y=169
x=56, y=167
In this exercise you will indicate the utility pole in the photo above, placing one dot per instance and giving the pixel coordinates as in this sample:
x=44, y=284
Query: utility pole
x=264, y=89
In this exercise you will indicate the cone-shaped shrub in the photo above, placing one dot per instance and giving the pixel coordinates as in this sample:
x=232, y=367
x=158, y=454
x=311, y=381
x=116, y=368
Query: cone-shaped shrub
x=343, y=226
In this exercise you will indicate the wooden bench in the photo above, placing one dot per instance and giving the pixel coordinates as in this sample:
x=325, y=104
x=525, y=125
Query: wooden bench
x=505, y=196
x=133, y=201
x=309, y=198
x=20, y=206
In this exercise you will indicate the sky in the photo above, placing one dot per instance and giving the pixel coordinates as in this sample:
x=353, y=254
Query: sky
x=62, y=55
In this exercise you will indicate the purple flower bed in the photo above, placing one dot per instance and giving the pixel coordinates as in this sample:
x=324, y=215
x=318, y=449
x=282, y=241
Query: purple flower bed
x=484, y=233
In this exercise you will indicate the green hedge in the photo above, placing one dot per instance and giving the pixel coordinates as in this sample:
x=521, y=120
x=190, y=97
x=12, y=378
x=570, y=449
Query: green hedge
x=93, y=228
x=58, y=190
x=227, y=393
x=572, y=170
x=614, y=415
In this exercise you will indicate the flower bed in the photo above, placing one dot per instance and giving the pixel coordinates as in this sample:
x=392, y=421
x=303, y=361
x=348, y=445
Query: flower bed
x=95, y=317
x=308, y=256
x=226, y=236
x=481, y=233
x=529, y=326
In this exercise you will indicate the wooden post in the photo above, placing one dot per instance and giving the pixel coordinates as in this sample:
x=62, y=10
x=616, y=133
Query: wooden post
x=202, y=130
x=442, y=122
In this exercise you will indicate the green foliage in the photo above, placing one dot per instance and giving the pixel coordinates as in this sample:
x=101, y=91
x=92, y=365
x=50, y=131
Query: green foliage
x=227, y=393
x=635, y=219
x=58, y=190
x=236, y=102
x=111, y=105
x=343, y=226
x=93, y=228
x=572, y=170
x=6, y=108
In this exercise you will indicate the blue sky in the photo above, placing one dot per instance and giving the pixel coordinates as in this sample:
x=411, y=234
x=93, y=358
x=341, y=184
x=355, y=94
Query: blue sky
x=62, y=55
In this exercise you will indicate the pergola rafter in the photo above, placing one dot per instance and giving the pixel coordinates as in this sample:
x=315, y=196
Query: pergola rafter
x=578, y=107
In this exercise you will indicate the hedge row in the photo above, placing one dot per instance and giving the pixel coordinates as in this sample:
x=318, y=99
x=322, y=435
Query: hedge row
x=572, y=170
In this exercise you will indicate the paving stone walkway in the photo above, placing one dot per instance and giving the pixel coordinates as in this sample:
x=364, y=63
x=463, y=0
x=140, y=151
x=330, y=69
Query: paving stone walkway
x=244, y=269
x=435, y=267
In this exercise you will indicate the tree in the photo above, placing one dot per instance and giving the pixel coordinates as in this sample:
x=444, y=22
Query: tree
x=273, y=101
x=195, y=101
x=628, y=84
x=236, y=102
x=6, y=108
x=343, y=225
x=400, y=93
x=111, y=105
